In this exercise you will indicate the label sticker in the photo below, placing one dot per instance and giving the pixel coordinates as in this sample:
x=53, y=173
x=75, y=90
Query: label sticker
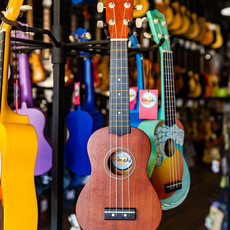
x=148, y=104
x=77, y=93
x=133, y=97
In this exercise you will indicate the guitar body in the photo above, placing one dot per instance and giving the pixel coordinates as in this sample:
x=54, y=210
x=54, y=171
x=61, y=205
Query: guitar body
x=209, y=37
x=186, y=22
x=194, y=30
x=38, y=72
x=18, y=145
x=80, y=126
x=177, y=21
x=148, y=126
x=90, y=213
x=44, y=154
x=195, y=89
x=165, y=171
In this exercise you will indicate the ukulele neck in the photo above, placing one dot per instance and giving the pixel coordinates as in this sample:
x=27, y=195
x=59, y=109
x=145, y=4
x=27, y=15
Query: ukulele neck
x=2, y=45
x=169, y=91
x=119, y=118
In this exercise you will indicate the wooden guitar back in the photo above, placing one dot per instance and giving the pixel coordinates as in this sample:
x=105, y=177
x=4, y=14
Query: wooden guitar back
x=103, y=190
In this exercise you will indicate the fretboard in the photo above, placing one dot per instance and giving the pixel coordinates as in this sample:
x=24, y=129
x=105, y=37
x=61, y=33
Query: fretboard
x=119, y=121
x=170, y=101
x=2, y=45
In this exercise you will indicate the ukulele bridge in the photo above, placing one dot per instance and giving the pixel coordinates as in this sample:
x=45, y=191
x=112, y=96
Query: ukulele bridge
x=119, y=213
x=173, y=186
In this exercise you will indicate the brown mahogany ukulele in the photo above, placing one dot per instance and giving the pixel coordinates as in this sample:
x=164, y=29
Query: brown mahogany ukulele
x=119, y=195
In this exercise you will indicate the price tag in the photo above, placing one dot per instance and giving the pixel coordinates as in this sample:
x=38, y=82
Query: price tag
x=77, y=93
x=133, y=97
x=148, y=104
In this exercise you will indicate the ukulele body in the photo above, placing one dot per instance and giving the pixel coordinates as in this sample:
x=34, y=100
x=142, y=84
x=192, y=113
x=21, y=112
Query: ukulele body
x=103, y=190
x=170, y=169
x=18, y=156
x=44, y=154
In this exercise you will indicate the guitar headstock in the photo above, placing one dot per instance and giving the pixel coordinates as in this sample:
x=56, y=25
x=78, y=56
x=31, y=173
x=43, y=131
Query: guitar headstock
x=82, y=34
x=118, y=15
x=158, y=26
x=12, y=11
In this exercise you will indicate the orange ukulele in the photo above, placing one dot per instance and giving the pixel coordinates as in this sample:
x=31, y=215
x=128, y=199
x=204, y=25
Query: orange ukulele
x=119, y=194
x=18, y=146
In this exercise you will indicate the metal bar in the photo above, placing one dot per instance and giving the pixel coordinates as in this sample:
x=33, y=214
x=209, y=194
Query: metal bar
x=58, y=60
x=35, y=42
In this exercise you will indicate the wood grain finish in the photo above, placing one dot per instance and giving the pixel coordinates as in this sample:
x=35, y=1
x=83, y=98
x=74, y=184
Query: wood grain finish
x=100, y=191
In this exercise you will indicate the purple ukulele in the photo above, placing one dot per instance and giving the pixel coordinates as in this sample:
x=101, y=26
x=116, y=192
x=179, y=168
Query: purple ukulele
x=36, y=116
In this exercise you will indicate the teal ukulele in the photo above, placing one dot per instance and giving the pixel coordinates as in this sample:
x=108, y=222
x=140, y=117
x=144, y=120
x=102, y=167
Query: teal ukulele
x=167, y=168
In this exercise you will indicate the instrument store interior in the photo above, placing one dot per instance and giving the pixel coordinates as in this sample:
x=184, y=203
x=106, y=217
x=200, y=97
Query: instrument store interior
x=115, y=114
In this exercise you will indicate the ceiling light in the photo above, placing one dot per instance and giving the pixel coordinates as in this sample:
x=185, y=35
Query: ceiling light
x=226, y=9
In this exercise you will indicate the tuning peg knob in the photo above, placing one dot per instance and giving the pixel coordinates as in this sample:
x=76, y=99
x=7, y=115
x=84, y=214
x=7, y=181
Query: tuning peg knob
x=25, y=8
x=138, y=7
x=138, y=22
x=100, y=24
x=88, y=35
x=100, y=7
x=147, y=35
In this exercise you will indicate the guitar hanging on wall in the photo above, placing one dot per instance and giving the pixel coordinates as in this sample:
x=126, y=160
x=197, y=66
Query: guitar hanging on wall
x=18, y=146
x=170, y=177
x=114, y=197
x=36, y=116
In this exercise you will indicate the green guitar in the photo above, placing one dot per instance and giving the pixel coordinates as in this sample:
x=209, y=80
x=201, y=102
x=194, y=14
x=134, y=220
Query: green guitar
x=167, y=168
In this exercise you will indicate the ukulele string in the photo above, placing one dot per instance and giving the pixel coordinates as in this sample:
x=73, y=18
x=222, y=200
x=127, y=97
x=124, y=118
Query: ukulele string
x=173, y=122
x=175, y=132
x=116, y=69
x=172, y=110
x=167, y=116
x=122, y=116
x=15, y=75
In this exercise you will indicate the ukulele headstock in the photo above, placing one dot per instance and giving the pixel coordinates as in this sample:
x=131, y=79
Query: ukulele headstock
x=12, y=11
x=158, y=26
x=118, y=15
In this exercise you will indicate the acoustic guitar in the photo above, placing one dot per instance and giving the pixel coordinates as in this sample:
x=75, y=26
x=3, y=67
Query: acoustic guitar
x=114, y=197
x=194, y=29
x=18, y=146
x=177, y=18
x=185, y=19
x=170, y=176
x=36, y=117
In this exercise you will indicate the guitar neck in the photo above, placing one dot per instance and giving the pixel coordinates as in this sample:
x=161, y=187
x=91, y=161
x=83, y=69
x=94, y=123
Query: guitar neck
x=47, y=26
x=29, y=16
x=119, y=118
x=3, y=80
x=169, y=91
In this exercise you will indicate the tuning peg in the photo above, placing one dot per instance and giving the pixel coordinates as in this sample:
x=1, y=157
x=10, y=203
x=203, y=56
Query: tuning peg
x=147, y=35
x=138, y=7
x=71, y=38
x=100, y=7
x=25, y=8
x=139, y=22
x=100, y=24
x=87, y=35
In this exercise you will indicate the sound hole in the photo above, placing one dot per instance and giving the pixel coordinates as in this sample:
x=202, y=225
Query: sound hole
x=120, y=163
x=169, y=147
